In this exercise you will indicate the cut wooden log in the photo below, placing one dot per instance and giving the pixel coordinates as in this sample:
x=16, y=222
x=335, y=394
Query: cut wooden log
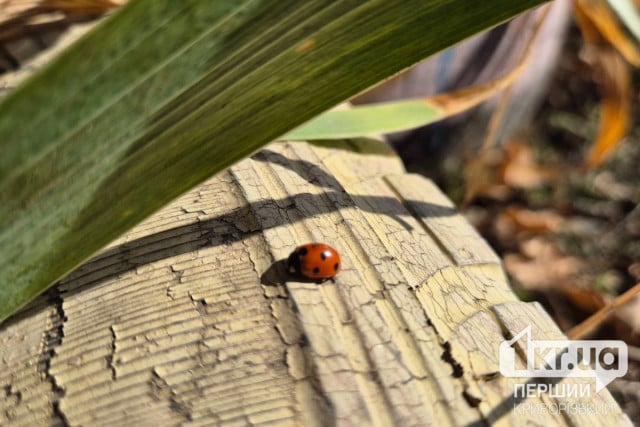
x=192, y=319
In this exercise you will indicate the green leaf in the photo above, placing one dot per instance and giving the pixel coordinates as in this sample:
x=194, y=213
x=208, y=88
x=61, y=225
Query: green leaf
x=387, y=117
x=367, y=120
x=164, y=94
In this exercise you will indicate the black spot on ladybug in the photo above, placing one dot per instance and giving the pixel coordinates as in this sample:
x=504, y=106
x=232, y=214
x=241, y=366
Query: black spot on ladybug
x=316, y=270
x=324, y=255
x=303, y=251
x=335, y=266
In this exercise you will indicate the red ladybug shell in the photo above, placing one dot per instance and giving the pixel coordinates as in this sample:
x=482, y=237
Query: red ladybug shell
x=315, y=261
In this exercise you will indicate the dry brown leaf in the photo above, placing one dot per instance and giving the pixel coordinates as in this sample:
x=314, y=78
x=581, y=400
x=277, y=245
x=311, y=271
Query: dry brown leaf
x=498, y=116
x=483, y=177
x=586, y=299
x=607, y=47
x=495, y=171
x=520, y=170
x=615, y=108
x=461, y=100
x=535, y=222
x=599, y=23
x=540, y=266
x=515, y=224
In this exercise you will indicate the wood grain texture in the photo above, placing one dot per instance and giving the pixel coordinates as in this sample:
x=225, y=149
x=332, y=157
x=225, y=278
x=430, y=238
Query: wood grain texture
x=190, y=318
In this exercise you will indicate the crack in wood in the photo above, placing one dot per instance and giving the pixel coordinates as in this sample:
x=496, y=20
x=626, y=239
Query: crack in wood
x=12, y=399
x=161, y=390
x=457, y=370
x=473, y=401
x=52, y=338
x=200, y=304
x=111, y=355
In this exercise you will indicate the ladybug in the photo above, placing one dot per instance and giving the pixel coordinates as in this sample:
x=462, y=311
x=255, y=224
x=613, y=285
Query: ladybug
x=314, y=261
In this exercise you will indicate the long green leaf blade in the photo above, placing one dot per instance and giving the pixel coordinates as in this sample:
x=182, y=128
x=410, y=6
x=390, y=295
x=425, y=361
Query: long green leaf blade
x=164, y=94
x=367, y=120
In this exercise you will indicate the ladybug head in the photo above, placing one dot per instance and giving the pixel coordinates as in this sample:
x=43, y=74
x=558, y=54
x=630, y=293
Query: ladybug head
x=293, y=263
